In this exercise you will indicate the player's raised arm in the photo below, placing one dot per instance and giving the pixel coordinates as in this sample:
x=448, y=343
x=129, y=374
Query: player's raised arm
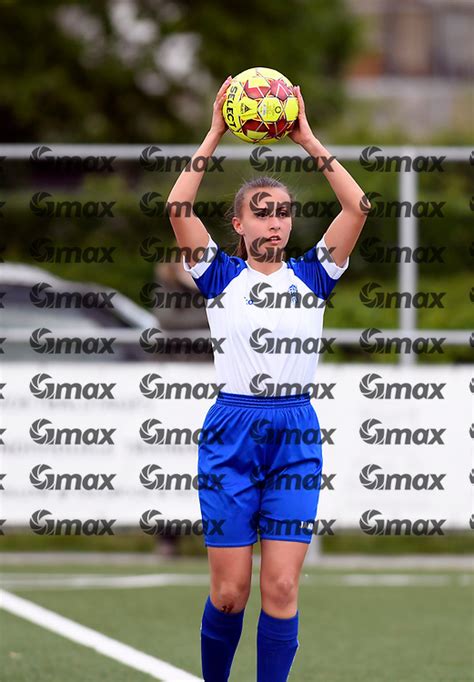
x=342, y=234
x=190, y=232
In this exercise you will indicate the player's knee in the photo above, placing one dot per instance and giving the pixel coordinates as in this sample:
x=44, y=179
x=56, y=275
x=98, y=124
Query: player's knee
x=280, y=591
x=230, y=596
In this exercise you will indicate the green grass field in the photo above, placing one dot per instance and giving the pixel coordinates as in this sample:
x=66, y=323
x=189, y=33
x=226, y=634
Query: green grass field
x=359, y=626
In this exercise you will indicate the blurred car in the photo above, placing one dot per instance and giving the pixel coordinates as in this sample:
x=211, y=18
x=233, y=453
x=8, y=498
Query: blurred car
x=28, y=304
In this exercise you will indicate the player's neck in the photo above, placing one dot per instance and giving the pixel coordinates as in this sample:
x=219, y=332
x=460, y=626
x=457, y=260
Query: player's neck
x=265, y=268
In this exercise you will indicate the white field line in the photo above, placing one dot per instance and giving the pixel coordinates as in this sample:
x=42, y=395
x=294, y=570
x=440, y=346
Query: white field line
x=90, y=581
x=396, y=580
x=107, y=646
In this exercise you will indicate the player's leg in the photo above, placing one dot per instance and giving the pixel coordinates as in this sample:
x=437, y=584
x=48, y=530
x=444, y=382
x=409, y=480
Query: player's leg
x=277, y=631
x=288, y=508
x=222, y=621
x=231, y=573
x=228, y=501
x=280, y=570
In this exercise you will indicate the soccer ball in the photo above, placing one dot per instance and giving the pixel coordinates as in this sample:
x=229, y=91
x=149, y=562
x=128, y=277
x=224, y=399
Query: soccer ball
x=260, y=106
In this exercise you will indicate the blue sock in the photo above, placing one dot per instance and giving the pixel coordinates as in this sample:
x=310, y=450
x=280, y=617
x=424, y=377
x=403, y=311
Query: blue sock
x=277, y=642
x=220, y=634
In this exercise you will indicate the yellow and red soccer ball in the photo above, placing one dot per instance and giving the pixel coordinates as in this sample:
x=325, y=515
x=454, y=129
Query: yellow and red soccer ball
x=260, y=106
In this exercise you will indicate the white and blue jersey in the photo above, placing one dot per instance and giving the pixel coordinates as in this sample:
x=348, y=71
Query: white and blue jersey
x=261, y=456
x=271, y=323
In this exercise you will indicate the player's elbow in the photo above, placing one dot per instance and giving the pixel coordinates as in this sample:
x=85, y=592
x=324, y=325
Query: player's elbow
x=358, y=214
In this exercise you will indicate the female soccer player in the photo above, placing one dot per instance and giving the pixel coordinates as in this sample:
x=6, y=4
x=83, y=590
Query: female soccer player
x=245, y=457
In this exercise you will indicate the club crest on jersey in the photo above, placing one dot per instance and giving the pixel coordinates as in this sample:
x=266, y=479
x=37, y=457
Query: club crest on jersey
x=293, y=290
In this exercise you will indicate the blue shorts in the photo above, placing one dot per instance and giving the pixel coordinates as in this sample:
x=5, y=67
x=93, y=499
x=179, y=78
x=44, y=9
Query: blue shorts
x=259, y=469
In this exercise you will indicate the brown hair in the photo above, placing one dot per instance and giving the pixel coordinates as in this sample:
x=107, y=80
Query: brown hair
x=261, y=182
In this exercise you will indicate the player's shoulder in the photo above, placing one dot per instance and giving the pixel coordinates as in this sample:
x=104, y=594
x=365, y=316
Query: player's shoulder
x=215, y=269
x=317, y=269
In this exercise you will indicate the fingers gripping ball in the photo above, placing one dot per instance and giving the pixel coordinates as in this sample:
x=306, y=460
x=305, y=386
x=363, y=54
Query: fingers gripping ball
x=260, y=106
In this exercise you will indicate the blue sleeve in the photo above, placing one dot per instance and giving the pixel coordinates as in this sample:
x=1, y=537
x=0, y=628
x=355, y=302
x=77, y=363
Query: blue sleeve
x=317, y=269
x=213, y=272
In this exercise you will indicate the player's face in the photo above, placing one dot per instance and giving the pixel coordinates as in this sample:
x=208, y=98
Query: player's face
x=265, y=222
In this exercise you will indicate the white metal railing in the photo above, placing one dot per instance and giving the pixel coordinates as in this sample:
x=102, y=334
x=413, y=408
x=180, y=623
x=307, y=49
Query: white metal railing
x=458, y=337
x=131, y=152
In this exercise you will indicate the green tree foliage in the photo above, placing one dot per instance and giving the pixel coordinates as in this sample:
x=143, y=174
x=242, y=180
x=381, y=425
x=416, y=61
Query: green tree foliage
x=142, y=70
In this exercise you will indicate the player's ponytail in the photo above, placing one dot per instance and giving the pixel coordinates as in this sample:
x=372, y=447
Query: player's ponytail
x=259, y=183
x=241, y=250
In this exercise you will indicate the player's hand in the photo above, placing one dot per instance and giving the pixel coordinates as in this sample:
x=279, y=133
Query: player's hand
x=301, y=133
x=218, y=124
